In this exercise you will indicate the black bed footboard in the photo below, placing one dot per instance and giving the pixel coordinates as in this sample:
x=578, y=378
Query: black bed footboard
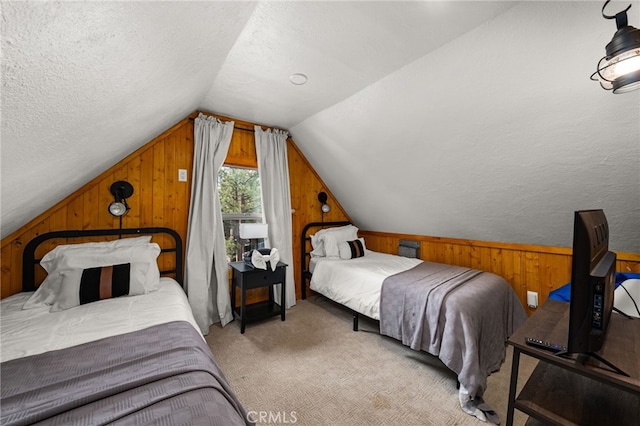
x=305, y=250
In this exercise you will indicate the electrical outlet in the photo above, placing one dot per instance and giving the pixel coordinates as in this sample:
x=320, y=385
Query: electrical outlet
x=532, y=299
x=182, y=175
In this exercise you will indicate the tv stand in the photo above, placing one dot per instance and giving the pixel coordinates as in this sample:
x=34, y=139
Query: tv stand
x=563, y=390
x=596, y=356
x=583, y=356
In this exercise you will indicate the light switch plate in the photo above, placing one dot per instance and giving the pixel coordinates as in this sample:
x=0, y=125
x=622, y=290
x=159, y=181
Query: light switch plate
x=532, y=299
x=182, y=175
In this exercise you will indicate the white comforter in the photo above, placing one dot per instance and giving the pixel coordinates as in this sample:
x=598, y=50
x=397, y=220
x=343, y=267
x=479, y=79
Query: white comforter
x=356, y=283
x=33, y=331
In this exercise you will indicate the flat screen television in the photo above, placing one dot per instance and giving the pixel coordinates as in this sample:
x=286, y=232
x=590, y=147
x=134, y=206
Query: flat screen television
x=592, y=284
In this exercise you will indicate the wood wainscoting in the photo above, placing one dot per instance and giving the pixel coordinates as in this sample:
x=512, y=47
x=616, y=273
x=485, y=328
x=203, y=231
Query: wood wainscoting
x=526, y=267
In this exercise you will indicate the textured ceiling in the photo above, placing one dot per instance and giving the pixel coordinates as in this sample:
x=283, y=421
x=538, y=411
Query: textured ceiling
x=341, y=46
x=462, y=119
x=85, y=84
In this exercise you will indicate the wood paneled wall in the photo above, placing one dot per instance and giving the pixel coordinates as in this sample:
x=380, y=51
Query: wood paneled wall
x=526, y=267
x=159, y=199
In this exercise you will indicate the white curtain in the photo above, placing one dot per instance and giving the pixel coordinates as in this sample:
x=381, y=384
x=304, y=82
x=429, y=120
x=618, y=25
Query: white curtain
x=273, y=168
x=206, y=276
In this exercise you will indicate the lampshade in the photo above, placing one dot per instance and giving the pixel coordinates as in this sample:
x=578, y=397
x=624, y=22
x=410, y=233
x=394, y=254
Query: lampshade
x=619, y=70
x=249, y=231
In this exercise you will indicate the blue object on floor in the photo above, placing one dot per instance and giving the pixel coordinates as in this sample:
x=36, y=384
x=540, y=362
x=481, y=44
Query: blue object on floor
x=563, y=294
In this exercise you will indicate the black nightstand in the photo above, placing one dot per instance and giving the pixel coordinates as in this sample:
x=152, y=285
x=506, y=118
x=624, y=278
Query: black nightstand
x=247, y=277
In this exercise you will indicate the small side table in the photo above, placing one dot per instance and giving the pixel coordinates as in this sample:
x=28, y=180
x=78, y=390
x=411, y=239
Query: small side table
x=246, y=277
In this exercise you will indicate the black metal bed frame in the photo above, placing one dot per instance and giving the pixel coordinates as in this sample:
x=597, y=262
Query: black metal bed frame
x=29, y=261
x=305, y=273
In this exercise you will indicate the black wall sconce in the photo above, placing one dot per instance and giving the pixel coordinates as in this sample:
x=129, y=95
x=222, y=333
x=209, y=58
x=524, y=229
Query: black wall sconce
x=619, y=70
x=324, y=208
x=121, y=190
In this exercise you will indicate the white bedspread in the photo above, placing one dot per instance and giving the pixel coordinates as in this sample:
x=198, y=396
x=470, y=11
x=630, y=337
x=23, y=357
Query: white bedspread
x=33, y=331
x=356, y=283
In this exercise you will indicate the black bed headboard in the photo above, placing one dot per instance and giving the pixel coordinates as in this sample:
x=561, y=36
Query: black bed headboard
x=305, y=253
x=29, y=260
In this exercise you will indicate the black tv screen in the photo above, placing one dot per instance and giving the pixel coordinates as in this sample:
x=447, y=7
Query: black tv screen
x=592, y=282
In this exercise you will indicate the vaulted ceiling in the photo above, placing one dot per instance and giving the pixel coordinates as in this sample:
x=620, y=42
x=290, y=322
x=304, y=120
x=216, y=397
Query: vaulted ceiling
x=460, y=119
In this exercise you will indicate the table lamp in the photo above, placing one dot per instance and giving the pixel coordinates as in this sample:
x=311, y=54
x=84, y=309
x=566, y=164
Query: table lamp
x=253, y=231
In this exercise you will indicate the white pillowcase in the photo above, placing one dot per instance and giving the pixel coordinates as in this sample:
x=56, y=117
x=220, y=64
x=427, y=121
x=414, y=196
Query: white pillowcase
x=70, y=257
x=330, y=245
x=317, y=245
x=325, y=242
x=46, y=292
x=51, y=260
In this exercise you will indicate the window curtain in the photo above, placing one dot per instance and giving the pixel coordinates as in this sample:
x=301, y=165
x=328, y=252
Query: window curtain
x=273, y=168
x=206, y=276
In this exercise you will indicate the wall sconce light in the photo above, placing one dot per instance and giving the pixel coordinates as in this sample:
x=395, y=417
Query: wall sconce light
x=619, y=70
x=325, y=208
x=120, y=190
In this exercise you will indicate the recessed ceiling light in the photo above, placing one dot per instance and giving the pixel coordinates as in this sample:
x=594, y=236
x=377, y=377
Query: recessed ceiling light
x=298, y=79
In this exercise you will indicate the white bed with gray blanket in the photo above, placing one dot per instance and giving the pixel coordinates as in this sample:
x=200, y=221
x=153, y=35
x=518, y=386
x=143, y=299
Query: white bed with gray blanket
x=463, y=316
x=135, y=356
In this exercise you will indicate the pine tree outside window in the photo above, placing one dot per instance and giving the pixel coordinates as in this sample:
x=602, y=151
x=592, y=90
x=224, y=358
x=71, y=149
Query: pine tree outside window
x=239, y=191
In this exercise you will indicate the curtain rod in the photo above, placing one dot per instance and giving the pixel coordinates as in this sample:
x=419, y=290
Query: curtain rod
x=246, y=130
x=235, y=127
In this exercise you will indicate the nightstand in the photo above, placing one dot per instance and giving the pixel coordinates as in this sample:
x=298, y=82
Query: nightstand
x=246, y=277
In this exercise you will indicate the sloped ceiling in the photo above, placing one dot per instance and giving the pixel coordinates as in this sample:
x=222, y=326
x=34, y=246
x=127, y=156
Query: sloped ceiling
x=458, y=119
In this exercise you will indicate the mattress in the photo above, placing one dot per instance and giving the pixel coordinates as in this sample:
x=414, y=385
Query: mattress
x=34, y=331
x=356, y=283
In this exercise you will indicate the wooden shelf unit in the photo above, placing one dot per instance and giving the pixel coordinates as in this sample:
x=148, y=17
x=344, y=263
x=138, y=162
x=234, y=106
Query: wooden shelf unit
x=577, y=390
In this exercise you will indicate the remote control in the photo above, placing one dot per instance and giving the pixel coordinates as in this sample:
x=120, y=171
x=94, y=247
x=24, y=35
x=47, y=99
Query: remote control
x=553, y=347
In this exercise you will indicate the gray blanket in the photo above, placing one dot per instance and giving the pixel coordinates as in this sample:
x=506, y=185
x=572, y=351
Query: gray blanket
x=463, y=316
x=164, y=374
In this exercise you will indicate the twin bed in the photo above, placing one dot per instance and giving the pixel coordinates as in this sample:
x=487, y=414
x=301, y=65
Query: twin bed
x=75, y=353
x=463, y=316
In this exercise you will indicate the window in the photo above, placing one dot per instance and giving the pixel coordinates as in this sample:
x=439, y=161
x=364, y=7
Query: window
x=239, y=191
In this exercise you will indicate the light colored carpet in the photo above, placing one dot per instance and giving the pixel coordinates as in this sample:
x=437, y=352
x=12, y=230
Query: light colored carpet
x=312, y=369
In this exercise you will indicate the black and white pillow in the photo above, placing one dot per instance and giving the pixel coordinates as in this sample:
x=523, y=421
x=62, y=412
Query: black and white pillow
x=82, y=286
x=352, y=249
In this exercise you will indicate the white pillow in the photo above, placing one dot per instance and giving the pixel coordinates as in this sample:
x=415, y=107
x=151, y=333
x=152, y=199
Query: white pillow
x=317, y=245
x=91, y=255
x=341, y=233
x=330, y=245
x=325, y=242
x=46, y=293
x=92, y=284
x=50, y=260
x=349, y=250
